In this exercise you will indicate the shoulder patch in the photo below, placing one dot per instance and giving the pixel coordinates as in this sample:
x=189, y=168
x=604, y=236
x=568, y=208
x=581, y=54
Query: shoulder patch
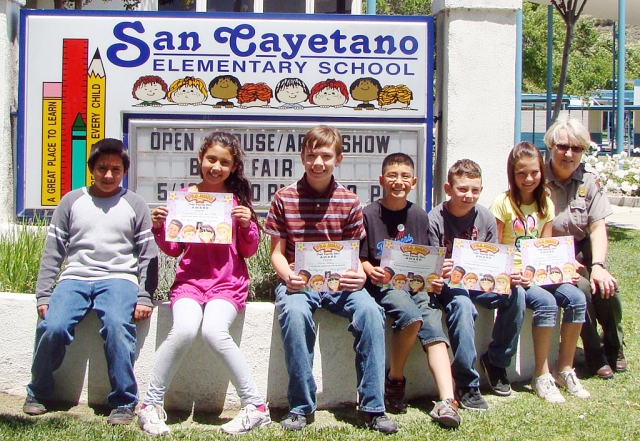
x=599, y=185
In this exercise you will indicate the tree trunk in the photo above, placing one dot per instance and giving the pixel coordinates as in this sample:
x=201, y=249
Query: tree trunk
x=568, y=37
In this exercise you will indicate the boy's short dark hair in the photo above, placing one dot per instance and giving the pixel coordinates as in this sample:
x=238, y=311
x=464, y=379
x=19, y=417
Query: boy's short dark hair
x=176, y=222
x=464, y=168
x=323, y=136
x=460, y=270
x=108, y=146
x=397, y=158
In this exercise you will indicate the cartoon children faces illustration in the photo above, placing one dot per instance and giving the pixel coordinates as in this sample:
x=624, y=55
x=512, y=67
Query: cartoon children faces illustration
x=173, y=230
x=223, y=233
x=206, y=233
x=502, y=284
x=188, y=233
x=254, y=95
x=568, y=271
x=316, y=282
x=365, y=90
x=487, y=282
x=470, y=280
x=224, y=88
x=149, y=89
x=455, y=279
x=416, y=283
x=291, y=92
x=333, y=282
x=329, y=93
x=395, y=97
x=399, y=281
x=187, y=91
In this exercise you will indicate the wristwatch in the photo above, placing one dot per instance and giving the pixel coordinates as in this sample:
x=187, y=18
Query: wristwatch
x=602, y=264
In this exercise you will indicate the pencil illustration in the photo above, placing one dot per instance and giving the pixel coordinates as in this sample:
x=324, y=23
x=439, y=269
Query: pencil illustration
x=51, y=142
x=78, y=153
x=96, y=94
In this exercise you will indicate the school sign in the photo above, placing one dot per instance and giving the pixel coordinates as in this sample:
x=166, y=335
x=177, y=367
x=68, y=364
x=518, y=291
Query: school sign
x=162, y=82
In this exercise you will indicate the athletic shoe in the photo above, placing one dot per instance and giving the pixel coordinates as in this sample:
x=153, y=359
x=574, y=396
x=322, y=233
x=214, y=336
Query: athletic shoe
x=569, y=380
x=394, y=399
x=380, y=422
x=445, y=413
x=498, y=380
x=248, y=419
x=470, y=398
x=121, y=415
x=152, y=419
x=294, y=421
x=545, y=387
x=32, y=406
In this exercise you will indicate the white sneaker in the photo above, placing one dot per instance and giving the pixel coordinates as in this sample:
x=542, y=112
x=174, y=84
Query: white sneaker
x=546, y=388
x=249, y=418
x=152, y=419
x=569, y=381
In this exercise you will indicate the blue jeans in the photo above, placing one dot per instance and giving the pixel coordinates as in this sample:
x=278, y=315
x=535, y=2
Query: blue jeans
x=114, y=301
x=366, y=323
x=460, y=316
x=405, y=308
x=544, y=302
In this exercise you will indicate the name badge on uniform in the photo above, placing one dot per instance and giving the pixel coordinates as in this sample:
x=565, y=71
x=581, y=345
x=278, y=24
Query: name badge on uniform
x=582, y=191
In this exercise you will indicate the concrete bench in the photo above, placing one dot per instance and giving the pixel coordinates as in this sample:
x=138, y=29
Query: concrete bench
x=202, y=382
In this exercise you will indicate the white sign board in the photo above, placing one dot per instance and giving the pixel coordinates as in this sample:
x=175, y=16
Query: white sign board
x=159, y=81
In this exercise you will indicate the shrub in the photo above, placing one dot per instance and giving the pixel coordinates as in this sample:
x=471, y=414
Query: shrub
x=20, y=252
x=22, y=245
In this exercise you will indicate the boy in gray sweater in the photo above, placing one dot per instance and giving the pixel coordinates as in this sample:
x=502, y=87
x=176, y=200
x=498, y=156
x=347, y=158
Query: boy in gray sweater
x=103, y=234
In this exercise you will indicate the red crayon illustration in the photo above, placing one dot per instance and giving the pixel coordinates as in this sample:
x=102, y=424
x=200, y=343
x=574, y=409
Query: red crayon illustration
x=75, y=57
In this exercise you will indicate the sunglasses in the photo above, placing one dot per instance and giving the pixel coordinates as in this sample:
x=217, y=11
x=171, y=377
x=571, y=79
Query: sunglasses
x=574, y=148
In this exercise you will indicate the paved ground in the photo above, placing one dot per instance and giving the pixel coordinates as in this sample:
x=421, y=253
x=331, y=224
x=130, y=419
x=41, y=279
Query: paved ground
x=625, y=217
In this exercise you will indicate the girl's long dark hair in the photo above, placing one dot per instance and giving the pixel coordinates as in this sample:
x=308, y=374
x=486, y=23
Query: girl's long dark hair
x=526, y=150
x=237, y=183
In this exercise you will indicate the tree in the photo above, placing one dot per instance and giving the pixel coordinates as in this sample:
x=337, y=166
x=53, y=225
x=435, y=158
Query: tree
x=570, y=10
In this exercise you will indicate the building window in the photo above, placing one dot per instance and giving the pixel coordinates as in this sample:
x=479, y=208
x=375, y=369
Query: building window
x=176, y=5
x=292, y=6
x=229, y=5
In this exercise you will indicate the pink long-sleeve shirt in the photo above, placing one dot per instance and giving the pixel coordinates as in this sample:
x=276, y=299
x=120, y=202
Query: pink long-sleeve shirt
x=212, y=271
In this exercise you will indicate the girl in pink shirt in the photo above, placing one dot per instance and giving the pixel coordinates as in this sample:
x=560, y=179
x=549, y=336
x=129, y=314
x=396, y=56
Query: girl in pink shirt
x=210, y=289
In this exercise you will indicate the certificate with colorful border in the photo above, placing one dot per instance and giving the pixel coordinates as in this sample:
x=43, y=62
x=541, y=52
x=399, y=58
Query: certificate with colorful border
x=481, y=266
x=549, y=260
x=322, y=264
x=410, y=267
x=199, y=217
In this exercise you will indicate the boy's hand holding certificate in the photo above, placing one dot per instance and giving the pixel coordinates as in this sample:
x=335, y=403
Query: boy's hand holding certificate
x=199, y=217
x=323, y=264
x=481, y=266
x=548, y=261
x=410, y=267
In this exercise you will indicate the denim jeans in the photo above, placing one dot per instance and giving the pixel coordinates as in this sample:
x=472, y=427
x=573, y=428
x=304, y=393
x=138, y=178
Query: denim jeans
x=544, y=302
x=114, y=301
x=461, y=313
x=407, y=308
x=299, y=336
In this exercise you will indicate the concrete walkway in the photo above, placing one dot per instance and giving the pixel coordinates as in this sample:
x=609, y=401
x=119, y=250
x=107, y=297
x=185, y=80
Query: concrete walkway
x=625, y=217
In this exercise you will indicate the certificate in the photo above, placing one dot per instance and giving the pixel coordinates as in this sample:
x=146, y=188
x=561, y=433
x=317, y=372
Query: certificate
x=322, y=264
x=548, y=261
x=482, y=266
x=199, y=217
x=410, y=267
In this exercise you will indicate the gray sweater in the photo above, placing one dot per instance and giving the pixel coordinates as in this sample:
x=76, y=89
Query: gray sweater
x=100, y=238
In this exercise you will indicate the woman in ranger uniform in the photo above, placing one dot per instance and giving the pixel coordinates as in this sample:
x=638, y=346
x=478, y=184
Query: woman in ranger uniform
x=581, y=208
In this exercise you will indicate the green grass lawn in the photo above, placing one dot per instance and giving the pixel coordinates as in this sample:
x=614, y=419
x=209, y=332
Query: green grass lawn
x=613, y=412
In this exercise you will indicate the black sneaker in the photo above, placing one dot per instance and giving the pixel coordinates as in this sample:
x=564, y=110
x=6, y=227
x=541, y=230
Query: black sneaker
x=294, y=421
x=394, y=395
x=470, y=398
x=33, y=407
x=121, y=415
x=445, y=413
x=380, y=422
x=497, y=377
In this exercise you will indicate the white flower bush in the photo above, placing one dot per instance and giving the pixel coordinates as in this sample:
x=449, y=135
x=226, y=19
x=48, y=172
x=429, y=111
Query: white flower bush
x=620, y=173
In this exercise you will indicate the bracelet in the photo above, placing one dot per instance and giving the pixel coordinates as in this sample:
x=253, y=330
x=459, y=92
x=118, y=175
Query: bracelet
x=602, y=264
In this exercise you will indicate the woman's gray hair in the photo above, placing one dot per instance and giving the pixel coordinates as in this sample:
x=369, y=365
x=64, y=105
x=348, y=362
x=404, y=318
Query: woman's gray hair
x=576, y=131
